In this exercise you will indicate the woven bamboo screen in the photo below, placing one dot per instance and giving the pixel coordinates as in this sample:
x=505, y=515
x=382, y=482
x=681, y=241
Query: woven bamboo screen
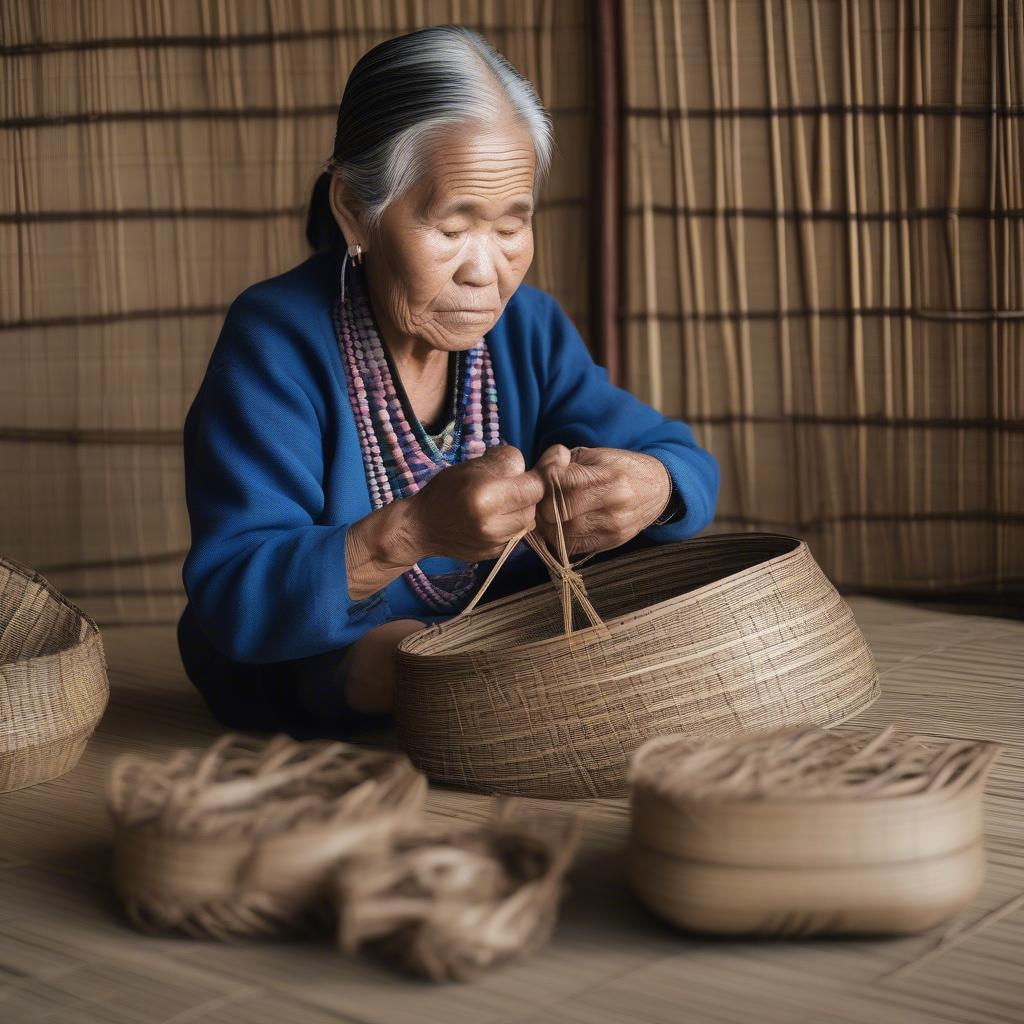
x=820, y=267
x=158, y=159
x=823, y=242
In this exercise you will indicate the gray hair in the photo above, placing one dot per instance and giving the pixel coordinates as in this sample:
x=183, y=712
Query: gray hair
x=401, y=96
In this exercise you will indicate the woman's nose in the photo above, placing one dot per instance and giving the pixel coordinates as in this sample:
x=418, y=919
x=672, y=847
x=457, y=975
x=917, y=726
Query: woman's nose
x=478, y=268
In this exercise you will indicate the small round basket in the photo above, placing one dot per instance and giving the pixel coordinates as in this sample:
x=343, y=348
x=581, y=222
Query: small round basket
x=800, y=832
x=53, y=679
x=446, y=904
x=240, y=839
x=535, y=695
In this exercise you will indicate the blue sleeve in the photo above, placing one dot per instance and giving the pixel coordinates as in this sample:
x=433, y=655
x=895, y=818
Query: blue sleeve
x=581, y=407
x=266, y=580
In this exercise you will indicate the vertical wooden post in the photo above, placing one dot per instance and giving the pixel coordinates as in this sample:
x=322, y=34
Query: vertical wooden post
x=606, y=286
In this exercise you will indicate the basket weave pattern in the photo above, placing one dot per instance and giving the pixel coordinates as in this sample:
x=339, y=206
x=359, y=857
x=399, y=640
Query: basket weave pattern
x=709, y=636
x=800, y=831
x=240, y=839
x=53, y=679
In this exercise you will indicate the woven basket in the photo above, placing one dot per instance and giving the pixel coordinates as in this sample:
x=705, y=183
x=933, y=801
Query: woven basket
x=801, y=832
x=447, y=903
x=240, y=839
x=53, y=679
x=548, y=692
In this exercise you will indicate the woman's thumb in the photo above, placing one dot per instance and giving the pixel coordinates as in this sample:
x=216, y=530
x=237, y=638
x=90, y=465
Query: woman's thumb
x=553, y=458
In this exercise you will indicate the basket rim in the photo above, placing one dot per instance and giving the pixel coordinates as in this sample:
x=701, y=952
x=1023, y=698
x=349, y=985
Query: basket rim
x=403, y=786
x=33, y=576
x=654, y=788
x=910, y=800
x=588, y=634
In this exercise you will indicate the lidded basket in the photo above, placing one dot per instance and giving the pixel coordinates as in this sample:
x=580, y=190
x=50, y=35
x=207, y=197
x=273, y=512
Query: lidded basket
x=708, y=637
x=800, y=832
x=53, y=679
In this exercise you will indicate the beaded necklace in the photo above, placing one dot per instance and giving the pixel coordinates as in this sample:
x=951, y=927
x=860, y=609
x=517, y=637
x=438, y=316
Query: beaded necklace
x=400, y=458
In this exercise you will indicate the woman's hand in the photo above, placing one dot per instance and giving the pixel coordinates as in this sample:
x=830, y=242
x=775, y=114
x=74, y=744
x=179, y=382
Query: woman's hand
x=609, y=495
x=470, y=510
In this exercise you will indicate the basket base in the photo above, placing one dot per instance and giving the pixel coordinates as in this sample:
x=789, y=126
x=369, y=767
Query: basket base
x=869, y=899
x=29, y=766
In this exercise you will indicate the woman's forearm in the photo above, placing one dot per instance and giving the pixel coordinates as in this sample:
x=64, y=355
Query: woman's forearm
x=381, y=546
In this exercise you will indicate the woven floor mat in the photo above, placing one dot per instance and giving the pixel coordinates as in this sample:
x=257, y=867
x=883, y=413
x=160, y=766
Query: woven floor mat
x=68, y=957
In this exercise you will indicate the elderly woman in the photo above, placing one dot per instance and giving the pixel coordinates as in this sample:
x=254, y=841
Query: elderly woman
x=376, y=423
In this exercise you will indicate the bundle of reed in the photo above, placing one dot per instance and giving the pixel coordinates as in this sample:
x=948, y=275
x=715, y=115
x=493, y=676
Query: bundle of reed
x=799, y=831
x=548, y=692
x=240, y=839
x=53, y=678
x=446, y=904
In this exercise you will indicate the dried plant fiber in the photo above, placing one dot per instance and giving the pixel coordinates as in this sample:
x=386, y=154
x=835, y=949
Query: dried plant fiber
x=800, y=831
x=447, y=904
x=709, y=636
x=53, y=679
x=240, y=839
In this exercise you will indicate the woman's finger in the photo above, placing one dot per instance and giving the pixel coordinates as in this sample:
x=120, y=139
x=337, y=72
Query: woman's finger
x=583, y=543
x=553, y=458
x=519, y=492
x=584, y=489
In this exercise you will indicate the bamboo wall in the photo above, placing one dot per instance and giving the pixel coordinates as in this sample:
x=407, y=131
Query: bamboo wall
x=162, y=157
x=821, y=236
x=823, y=233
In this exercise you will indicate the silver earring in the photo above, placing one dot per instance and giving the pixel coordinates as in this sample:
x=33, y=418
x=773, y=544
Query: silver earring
x=344, y=260
x=357, y=259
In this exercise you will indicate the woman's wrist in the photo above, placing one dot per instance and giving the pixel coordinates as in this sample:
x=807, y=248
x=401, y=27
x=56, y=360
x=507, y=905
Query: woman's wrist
x=660, y=485
x=672, y=510
x=381, y=546
x=408, y=538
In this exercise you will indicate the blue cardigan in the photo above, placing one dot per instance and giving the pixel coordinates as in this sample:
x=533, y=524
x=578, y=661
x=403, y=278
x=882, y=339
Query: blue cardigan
x=274, y=476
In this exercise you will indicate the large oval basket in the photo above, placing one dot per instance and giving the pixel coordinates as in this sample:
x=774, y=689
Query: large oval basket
x=53, y=679
x=707, y=636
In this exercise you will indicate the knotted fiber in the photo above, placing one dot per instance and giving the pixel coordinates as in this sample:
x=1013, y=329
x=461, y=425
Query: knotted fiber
x=548, y=692
x=799, y=831
x=446, y=904
x=53, y=679
x=240, y=839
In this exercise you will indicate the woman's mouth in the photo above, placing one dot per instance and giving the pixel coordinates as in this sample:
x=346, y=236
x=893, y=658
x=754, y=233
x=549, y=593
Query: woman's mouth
x=467, y=314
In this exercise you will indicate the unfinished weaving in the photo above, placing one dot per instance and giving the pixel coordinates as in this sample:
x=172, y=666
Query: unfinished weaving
x=240, y=839
x=548, y=692
x=447, y=903
x=53, y=679
x=800, y=832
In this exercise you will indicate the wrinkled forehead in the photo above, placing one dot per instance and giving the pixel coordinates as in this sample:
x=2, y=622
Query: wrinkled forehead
x=491, y=172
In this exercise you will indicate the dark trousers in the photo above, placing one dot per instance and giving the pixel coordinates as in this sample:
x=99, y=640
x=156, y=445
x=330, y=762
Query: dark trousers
x=303, y=697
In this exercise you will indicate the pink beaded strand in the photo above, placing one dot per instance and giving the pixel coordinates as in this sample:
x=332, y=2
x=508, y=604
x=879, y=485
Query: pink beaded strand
x=383, y=426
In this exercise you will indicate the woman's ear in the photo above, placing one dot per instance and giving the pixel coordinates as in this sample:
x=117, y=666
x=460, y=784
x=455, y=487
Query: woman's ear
x=344, y=213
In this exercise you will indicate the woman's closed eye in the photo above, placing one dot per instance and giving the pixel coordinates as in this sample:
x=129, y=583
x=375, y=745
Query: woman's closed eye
x=503, y=232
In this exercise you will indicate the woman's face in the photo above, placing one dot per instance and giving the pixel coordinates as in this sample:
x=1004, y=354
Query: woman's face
x=452, y=250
